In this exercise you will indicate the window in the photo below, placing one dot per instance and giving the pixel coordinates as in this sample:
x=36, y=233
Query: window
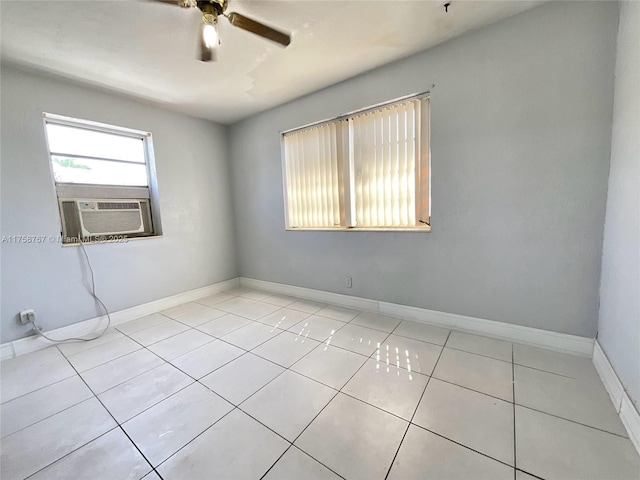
x=104, y=179
x=367, y=170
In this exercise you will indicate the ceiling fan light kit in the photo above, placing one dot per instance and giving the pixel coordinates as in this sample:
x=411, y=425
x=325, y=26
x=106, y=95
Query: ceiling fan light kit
x=208, y=38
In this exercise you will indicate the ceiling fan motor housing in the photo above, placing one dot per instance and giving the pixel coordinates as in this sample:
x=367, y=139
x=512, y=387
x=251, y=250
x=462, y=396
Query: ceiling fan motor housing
x=215, y=7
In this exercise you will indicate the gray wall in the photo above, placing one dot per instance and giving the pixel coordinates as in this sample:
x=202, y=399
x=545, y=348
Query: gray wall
x=198, y=246
x=619, y=322
x=521, y=127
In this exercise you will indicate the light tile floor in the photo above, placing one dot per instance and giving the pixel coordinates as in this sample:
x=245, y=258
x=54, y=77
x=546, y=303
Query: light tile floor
x=246, y=384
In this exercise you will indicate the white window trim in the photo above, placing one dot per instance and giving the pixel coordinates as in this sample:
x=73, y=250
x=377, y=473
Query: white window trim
x=425, y=131
x=81, y=190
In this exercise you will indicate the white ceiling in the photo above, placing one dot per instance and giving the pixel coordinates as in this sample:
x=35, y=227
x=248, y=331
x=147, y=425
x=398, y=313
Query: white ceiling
x=148, y=49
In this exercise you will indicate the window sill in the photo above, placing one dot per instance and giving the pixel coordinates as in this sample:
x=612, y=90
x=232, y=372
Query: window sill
x=426, y=228
x=111, y=240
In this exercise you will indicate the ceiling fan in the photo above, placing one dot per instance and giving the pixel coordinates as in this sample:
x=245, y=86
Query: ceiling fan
x=208, y=38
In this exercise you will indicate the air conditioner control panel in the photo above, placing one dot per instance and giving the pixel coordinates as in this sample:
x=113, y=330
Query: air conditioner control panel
x=87, y=205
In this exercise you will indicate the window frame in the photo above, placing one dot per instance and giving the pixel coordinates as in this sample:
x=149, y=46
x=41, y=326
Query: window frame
x=79, y=191
x=347, y=168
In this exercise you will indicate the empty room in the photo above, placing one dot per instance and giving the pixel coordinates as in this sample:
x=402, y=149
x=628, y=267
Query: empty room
x=320, y=240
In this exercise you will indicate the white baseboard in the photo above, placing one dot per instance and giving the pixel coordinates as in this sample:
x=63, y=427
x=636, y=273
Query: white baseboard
x=608, y=376
x=561, y=342
x=93, y=325
x=624, y=406
x=6, y=351
x=311, y=294
x=504, y=331
x=631, y=420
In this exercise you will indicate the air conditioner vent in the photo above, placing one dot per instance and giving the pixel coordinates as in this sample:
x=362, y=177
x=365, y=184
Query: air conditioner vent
x=106, y=222
x=118, y=205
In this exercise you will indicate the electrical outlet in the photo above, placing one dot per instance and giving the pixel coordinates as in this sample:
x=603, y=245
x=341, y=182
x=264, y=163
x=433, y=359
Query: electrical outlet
x=349, y=282
x=27, y=316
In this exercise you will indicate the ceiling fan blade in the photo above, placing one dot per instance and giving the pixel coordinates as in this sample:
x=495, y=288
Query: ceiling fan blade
x=177, y=3
x=258, y=28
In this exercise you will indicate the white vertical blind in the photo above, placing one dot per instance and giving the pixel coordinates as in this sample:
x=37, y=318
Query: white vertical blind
x=312, y=177
x=366, y=170
x=385, y=162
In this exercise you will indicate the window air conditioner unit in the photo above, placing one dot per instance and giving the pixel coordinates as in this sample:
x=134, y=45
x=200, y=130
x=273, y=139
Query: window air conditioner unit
x=110, y=217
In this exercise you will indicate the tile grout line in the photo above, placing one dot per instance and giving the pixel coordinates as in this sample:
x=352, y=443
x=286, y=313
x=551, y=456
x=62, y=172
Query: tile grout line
x=142, y=347
x=573, y=421
x=380, y=408
x=38, y=389
x=233, y=404
x=321, y=410
x=415, y=410
x=237, y=407
x=198, y=381
x=169, y=318
x=325, y=339
x=338, y=391
x=111, y=360
x=197, y=436
x=98, y=346
x=304, y=453
x=154, y=469
x=470, y=389
x=136, y=376
x=521, y=405
x=277, y=460
x=194, y=309
x=529, y=473
x=217, y=368
x=276, y=326
x=75, y=450
x=311, y=378
x=480, y=354
x=368, y=357
x=57, y=345
x=119, y=425
x=464, y=446
x=433, y=431
x=386, y=317
x=225, y=333
x=291, y=444
x=128, y=336
x=166, y=362
x=581, y=380
x=281, y=373
x=261, y=388
x=320, y=344
x=213, y=339
x=48, y=416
